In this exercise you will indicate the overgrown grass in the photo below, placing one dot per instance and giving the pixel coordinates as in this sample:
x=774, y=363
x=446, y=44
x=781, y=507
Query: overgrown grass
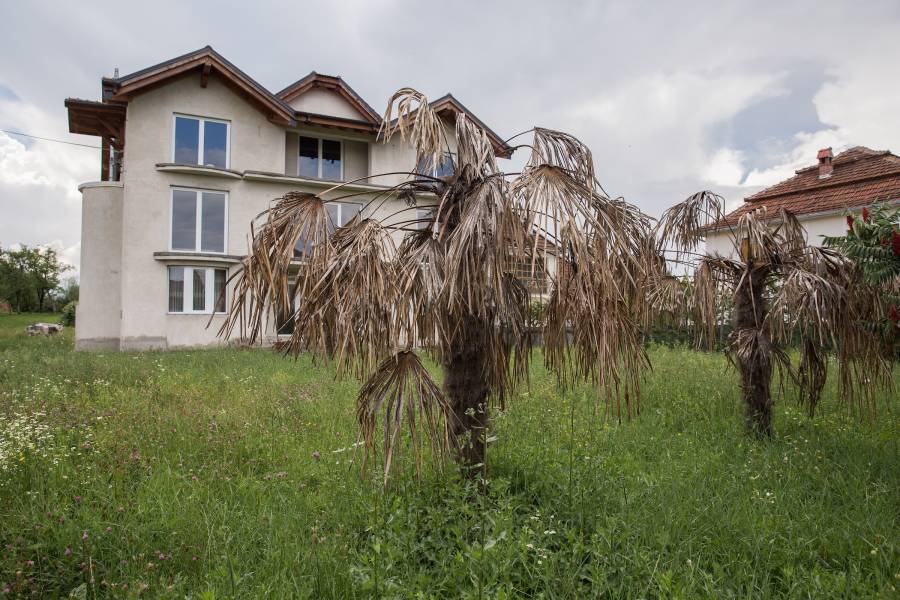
x=193, y=473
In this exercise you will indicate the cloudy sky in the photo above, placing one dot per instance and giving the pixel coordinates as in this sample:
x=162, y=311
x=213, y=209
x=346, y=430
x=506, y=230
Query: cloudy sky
x=672, y=97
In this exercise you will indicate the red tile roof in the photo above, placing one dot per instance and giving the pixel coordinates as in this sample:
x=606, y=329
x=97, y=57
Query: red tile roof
x=861, y=177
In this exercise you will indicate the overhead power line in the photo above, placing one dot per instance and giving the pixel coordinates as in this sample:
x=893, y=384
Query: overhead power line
x=37, y=137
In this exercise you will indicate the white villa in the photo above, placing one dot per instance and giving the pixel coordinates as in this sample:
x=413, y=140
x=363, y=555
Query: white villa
x=193, y=150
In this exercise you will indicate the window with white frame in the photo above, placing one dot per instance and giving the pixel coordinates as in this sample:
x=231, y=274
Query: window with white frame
x=197, y=290
x=199, y=220
x=339, y=214
x=201, y=141
x=321, y=158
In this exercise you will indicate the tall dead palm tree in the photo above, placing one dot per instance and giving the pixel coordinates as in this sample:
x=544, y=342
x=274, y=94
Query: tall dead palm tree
x=449, y=289
x=782, y=292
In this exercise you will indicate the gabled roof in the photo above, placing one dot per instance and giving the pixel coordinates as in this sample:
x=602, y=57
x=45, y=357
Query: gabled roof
x=449, y=104
x=336, y=84
x=861, y=177
x=202, y=61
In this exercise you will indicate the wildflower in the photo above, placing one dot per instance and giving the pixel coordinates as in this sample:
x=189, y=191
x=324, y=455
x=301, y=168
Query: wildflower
x=316, y=455
x=865, y=214
x=30, y=563
x=77, y=499
x=68, y=551
x=849, y=223
x=84, y=536
x=109, y=530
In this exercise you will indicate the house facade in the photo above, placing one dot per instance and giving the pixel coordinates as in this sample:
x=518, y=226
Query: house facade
x=193, y=149
x=822, y=194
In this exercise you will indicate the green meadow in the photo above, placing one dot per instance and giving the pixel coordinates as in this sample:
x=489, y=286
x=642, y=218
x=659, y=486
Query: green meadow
x=234, y=473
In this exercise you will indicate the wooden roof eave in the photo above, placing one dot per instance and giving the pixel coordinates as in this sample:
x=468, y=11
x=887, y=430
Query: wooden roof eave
x=126, y=90
x=88, y=117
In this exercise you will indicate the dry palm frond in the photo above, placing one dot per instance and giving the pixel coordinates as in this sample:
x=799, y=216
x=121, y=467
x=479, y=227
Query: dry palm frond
x=401, y=389
x=791, y=234
x=290, y=248
x=420, y=280
x=474, y=151
x=348, y=315
x=756, y=241
x=418, y=123
x=685, y=225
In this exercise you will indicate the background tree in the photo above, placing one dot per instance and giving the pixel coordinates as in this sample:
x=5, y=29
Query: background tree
x=448, y=288
x=782, y=291
x=28, y=275
x=873, y=243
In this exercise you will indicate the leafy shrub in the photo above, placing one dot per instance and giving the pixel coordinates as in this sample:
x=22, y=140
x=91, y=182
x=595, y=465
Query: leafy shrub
x=67, y=317
x=873, y=243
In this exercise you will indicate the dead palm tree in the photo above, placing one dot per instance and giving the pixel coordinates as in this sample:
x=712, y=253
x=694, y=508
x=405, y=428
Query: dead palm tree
x=782, y=292
x=448, y=288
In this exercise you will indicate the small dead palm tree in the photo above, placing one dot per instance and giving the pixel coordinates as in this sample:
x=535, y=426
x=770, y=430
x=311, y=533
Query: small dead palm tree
x=449, y=289
x=782, y=292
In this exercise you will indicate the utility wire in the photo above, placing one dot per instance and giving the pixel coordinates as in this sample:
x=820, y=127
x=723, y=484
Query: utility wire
x=28, y=135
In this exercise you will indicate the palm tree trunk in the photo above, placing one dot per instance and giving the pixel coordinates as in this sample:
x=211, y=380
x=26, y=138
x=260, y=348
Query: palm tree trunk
x=467, y=390
x=754, y=366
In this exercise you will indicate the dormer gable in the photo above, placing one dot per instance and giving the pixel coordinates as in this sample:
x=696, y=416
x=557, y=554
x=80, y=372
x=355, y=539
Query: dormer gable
x=328, y=95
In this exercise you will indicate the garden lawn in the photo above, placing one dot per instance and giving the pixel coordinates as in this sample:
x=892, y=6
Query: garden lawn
x=232, y=474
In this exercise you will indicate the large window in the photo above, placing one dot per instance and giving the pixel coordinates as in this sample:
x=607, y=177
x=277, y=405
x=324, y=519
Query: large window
x=199, y=219
x=339, y=214
x=321, y=159
x=200, y=141
x=196, y=290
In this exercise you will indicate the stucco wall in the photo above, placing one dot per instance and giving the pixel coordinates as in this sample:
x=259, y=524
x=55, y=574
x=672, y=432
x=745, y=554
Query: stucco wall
x=255, y=143
x=324, y=102
x=99, y=307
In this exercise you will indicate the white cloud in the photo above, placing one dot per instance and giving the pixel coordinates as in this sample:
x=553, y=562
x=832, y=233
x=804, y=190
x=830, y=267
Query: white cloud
x=725, y=167
x=39, y=180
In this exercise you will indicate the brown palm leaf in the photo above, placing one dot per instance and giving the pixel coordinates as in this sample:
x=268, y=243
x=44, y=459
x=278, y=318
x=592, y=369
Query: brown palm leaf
x=401, y=389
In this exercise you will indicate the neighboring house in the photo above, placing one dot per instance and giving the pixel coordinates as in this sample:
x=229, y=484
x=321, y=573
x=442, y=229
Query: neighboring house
x=821, y=195
x=193, y=150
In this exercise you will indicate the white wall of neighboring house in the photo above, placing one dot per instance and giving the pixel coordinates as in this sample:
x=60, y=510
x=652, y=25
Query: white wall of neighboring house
x=816, y=226
x=124, y=285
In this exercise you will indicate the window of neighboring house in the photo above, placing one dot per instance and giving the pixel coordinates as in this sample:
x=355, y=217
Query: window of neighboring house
x=532, y=274
x=339, y=214
x=199, y=220
x=197, y=290
x=200, y=141
x=444, y=169
x=321, y=159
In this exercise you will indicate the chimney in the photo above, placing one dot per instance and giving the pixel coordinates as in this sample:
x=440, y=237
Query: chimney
x=825, y=167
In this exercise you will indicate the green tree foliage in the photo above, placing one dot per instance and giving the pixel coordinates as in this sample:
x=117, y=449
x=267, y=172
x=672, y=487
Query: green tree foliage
x=873, y=243
x=28, y=276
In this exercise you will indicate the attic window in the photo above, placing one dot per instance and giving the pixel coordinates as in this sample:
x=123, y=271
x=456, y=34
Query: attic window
x=200, y=141
x=321, y=159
